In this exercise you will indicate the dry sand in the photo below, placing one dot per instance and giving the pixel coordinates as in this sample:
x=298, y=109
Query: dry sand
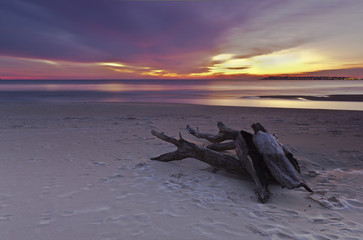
x=82, y=171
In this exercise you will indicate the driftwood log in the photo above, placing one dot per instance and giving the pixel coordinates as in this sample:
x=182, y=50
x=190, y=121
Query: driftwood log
x=259, y=155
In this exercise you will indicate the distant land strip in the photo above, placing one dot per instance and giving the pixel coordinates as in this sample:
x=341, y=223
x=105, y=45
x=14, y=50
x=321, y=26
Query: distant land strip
x=338, y=98
x=309, y=78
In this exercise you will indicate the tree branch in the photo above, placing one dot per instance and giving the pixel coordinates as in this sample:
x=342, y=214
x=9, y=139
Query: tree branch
x=187, y=149
x=224, y=133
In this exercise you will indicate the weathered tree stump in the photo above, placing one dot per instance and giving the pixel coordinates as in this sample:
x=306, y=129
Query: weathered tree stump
x=259, y=155
x=187, y=149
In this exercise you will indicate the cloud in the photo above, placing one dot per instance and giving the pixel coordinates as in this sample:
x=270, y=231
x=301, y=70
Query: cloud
x=237, y=68
x=108, y=30
x=290, y=24
x=179, y=37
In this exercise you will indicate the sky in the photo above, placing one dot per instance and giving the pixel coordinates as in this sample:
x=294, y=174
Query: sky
x=118, y=39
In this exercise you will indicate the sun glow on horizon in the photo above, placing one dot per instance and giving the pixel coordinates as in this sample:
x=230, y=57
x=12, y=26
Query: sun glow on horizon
x=290, y=61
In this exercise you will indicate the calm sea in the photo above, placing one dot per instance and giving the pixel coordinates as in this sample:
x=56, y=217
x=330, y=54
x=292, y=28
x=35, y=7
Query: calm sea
x=208, y=92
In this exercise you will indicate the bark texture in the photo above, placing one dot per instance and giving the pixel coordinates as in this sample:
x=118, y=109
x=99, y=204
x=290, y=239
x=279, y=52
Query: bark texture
x=259, y=155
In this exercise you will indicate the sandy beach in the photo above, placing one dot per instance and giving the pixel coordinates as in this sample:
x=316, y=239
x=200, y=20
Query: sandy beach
x=83, y=171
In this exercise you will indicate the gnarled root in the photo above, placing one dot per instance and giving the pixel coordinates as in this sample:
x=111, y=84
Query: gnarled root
x=259, y=155
x=186, y=149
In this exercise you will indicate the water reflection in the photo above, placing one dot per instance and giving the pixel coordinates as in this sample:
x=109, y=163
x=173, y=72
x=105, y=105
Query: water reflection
x=208, y=92
x=277, y=103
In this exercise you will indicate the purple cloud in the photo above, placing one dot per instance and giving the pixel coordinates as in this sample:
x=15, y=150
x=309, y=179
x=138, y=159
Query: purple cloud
x=112, y=30
x=177, y=36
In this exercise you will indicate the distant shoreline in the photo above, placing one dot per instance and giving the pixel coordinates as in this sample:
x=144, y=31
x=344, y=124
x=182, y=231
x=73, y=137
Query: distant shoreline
x=338, y=98
x=309, y=78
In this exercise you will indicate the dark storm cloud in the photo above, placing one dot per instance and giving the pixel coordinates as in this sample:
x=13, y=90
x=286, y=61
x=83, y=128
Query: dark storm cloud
x=107, y=30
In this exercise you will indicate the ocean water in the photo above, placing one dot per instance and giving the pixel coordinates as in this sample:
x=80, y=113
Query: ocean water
x=207, y=92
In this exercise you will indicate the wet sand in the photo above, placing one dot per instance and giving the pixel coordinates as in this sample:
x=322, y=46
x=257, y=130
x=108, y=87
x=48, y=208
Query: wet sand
x=83, y=171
